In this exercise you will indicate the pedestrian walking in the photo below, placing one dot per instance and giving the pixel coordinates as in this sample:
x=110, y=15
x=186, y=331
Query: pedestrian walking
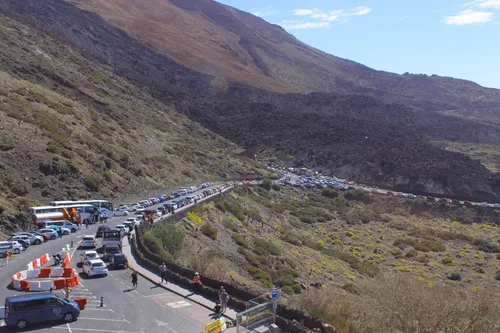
x=197, y=282
x=163, y=272
x=67, y=293
x=224, y=300
x=134, y=279
x=220, y=293
x=6, y=258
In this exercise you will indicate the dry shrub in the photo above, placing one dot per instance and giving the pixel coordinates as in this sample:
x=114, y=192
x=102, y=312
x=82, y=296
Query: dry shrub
x=402, y=304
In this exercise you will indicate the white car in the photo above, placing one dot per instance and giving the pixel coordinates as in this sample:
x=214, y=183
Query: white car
x=15, y=246
x=159, y=212
x=88, y=241
x=89, y=255
x=122, y=229
x=133, y=220
x=122, y=211
x=94, y=267
x=32, y=239
x=51, y=233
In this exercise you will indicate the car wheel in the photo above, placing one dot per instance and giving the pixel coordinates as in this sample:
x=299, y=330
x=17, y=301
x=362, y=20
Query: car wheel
x=21, y=324
x=37, y=242
x=17, y=251
x=73, y=230
x=66, y=232
x=86, y=221
x=68, y=317
x=52, y=237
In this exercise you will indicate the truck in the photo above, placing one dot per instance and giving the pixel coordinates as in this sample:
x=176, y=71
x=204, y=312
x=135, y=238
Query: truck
x=70, y=214
x=111, y=237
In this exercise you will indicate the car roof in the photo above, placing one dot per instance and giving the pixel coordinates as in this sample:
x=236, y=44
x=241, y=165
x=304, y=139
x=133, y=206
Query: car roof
x=29, y=297
x=118, y=255
x=88, y=236
x=95, y=261
x=90, y=252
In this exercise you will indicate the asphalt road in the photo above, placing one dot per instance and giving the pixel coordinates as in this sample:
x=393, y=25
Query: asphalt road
x=147, y=309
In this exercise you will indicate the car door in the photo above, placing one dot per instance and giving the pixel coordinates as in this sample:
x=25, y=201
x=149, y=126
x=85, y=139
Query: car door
x=54, y=309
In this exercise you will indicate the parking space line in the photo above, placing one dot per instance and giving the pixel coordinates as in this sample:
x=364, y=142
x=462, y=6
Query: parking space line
x=93, y=330
x=106, y=319
x=69, y=328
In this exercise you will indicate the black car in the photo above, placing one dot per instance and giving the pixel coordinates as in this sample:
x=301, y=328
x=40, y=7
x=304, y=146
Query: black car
x=23, y=243
x=118, y=260
x=110, y=251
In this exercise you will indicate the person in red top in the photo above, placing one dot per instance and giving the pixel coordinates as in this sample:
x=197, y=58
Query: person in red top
x=197, y=281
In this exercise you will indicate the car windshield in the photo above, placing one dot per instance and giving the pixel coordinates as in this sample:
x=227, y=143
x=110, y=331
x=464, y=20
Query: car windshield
x=91, y=255
x=120, y=259
x=88, y=238
x=97, y=264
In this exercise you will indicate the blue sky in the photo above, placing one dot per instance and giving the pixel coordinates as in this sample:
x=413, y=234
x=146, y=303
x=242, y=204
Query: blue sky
x=446, y=37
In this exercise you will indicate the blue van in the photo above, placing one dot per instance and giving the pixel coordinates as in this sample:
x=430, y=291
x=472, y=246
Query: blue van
x=21, y=311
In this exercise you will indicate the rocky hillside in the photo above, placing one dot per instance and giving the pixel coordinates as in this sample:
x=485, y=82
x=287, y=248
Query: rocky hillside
x=212, y=38
x=383, y=140
x=70, y=128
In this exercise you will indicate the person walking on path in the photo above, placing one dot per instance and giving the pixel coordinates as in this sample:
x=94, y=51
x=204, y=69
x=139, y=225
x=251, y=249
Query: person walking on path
x=220, y=293
x=224, y=297
x=6, y=258
x=217, y=310
x=134, y=279
x=163, y=272
x=67, y=293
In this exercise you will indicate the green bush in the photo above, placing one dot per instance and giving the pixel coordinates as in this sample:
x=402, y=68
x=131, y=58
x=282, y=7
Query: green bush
x=240, y=240
x=497, y=275
x=92, y=182
x=152, y=243
x=287, y=289
x=455, y=276
x=264, y=247
x=486, y=246
x=291, y=238
x=423, y=259
x=228, y=224
x=276, y=188
x=171, y=237
x=258, y=273
x=209, y=231
x=229, y=204
x=446, y=260
x=297, y=289
x=411, y=253
x=267, y=184
x=358, y=195
x=266, y=283
x=330, y=193
x=478, y=269
x=402, y=243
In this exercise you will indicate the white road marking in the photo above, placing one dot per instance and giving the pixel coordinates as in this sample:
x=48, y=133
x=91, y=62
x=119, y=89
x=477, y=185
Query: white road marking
x=93, y=330
x=162, y=294
x=105, y=319
x=179, y=304
x=98, y=309
x=69, y=328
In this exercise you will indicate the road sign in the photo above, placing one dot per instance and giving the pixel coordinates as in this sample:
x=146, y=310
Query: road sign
x=274, y=293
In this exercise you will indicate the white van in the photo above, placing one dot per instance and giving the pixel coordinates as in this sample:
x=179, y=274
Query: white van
x=13, y=246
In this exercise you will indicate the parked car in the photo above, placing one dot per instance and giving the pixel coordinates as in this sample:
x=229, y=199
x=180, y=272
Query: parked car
x=51, y=233
x=134, y=220
x=94, y=267
x=65, y=224
x=24, y=241
x=11, y=246
x=32, y=238
x=44, y=236
x=122, y=211
x=129, y=225
x=88, y=241
x=122, y=228
x=59, y=230
x=118, y=260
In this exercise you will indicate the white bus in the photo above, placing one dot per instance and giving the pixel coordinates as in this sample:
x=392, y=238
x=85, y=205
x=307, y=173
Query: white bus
x=96, y=203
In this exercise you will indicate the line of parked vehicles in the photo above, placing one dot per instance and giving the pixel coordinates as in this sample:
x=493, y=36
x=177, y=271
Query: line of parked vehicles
x=48, y=230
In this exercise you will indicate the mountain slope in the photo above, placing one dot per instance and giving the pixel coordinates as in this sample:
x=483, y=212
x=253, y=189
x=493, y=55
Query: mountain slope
x=70, y=128
x=222, y=41
x=398, y=152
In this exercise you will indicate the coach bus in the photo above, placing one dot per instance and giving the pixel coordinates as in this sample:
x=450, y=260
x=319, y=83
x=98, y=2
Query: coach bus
x=96, y=203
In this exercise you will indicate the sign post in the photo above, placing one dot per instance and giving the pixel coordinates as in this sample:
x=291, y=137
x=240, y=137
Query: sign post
x=274, y=296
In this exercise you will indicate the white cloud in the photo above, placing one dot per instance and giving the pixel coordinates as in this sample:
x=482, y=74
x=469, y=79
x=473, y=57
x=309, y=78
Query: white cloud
x=403, y=18
x=485, y=4
x=324, y=18
x=266, y=11
x=307, y=25
x=303, y=12
x=361, y=10
x=469, y=17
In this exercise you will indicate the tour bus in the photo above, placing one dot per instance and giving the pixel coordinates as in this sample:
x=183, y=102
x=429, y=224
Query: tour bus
x=96, y=203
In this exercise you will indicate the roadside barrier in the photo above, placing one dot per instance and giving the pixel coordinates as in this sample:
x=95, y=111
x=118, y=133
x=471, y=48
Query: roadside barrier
x=82, y=302
x=57, y=277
